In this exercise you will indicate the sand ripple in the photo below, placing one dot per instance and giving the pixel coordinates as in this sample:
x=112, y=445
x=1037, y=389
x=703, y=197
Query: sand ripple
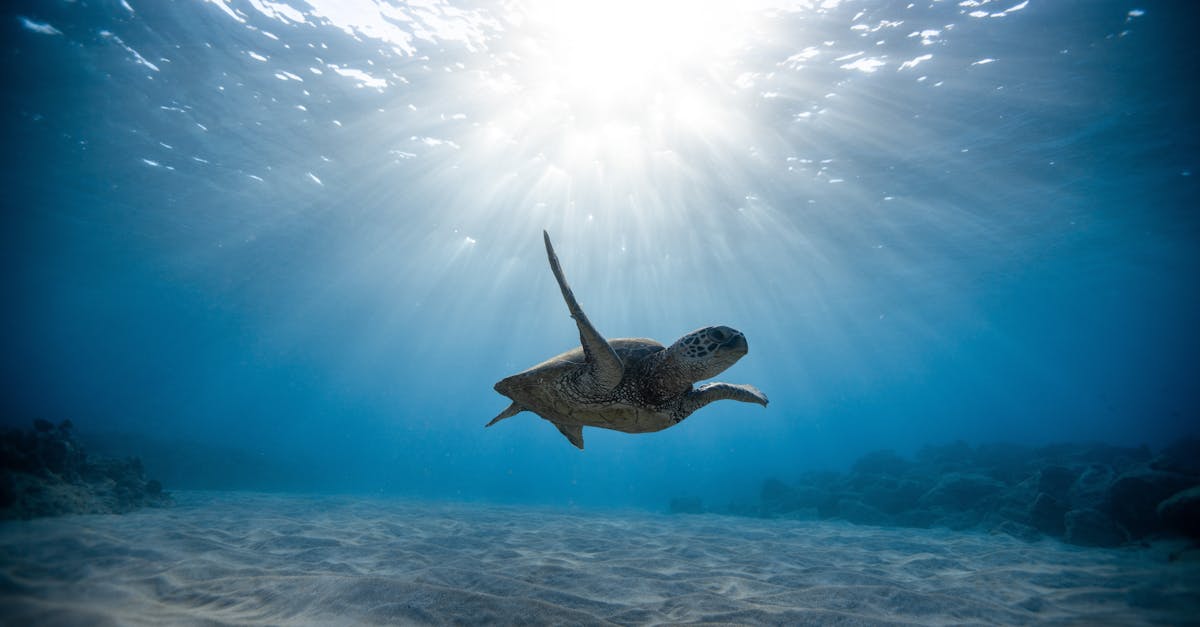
x=229, y=558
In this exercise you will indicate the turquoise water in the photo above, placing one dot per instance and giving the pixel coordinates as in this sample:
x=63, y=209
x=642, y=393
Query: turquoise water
x=292, y=245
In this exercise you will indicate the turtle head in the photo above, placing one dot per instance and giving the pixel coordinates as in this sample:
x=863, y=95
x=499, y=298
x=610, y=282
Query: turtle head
x=707, y=352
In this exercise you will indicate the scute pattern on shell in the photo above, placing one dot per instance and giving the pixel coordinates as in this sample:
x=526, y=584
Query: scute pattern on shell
x=634, y=385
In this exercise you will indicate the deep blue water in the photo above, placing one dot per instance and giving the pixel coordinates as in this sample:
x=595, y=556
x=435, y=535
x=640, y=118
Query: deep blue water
x=293, y=244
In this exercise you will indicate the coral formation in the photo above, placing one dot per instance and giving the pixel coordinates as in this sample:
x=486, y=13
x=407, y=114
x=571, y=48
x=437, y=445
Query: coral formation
x=45, y=472
x=1090, y=495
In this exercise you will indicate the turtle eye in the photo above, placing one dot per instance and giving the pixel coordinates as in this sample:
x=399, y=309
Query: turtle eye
x=717, y=334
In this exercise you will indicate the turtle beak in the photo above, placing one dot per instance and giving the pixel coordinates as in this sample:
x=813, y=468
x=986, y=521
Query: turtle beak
x=737, y=344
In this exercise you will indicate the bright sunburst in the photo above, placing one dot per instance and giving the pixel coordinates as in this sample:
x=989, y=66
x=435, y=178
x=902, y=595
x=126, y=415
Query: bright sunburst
x=612, y=102
x=624, y=76
x=625, y=52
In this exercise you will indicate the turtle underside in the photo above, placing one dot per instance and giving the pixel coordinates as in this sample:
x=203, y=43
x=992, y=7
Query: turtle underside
x=634, y=385
x=549, y=390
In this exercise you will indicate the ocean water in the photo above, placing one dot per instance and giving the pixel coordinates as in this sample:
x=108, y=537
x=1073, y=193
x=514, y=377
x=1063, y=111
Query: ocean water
x=288, y=246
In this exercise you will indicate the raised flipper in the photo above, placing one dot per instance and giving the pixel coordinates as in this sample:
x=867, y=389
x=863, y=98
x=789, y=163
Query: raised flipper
x=509, y=412
x=716, y=391
x=604, y=367
x=574, y=433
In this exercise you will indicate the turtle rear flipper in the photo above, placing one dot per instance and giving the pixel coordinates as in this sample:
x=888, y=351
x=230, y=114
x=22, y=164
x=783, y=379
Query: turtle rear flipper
x=512, y=410
x=605, y=369
x=574, y=433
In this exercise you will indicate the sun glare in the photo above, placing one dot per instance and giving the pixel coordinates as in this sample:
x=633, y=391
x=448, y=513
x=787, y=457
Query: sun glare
x=610, y=115
x=627, y=62
x=624, y=50
x=596, y=102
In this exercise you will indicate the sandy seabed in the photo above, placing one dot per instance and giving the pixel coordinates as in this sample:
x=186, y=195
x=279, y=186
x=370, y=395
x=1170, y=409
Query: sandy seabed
x=235, y=558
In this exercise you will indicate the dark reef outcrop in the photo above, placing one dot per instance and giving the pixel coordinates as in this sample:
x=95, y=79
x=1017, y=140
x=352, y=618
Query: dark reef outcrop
x=1089, y=495
x=45, y=472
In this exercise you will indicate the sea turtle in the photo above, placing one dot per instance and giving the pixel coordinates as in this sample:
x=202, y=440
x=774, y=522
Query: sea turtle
x=635, y=385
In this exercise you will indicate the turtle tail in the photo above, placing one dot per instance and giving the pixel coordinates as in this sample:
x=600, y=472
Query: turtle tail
x=509, y=412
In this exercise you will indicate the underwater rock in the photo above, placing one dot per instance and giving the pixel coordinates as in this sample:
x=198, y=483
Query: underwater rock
x=920, y=518
x=1181, y=512
x=1047, y=515
x=1090, y=527
x=1015, y=502
x=1119, y=457
x=1134, y=497
x=1006, y=463
x=1090, y=490
x=893, y=496
x=1016, y=530
x=961, y=491
x=1056, y=481
x=777, y=497
x=1093, y=495
x=961, y=520
x=45, y=472
x=1182, y=457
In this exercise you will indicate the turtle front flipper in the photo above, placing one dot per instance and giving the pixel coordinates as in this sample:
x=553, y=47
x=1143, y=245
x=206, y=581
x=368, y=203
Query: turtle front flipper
x=718, y=391
x=604, y=366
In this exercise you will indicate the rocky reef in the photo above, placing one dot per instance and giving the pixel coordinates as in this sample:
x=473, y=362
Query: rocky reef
x=45, y=472
x=1090, y=495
